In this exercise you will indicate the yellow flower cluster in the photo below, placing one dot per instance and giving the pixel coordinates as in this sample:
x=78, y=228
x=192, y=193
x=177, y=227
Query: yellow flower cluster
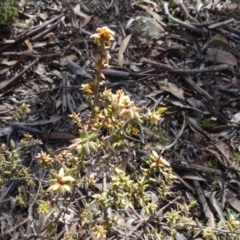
x=62, y=182
x=103, y=36
x=153, y=117
x=122, y=105
x=158, y=161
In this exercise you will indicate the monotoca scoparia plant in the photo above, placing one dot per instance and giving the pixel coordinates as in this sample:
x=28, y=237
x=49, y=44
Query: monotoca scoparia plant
x=137, y=201
x=113, y=117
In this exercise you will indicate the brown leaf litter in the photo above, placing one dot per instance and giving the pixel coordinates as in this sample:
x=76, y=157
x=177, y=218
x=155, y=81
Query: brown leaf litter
x=160, y=59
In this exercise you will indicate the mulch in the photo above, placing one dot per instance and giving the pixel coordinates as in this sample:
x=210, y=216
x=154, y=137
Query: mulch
x=165, y=55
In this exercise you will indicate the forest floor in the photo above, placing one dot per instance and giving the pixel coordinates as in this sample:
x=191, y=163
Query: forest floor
x=182, y=57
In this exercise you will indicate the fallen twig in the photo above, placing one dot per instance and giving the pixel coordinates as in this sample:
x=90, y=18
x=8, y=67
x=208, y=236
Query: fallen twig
x=6, y=83
x=31, y=54
x=217, y=68
x=46, y=31
x=31, y=32
x=183, y=24
x=194, y=86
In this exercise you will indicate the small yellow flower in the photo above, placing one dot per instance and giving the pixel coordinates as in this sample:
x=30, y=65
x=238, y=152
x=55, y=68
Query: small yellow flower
x=75, y=116
x=100, y=232
x=119, y=98
x=129, y=113
x=44, y=159
x=24, y=109
x=234, y=223
x=158, y=160
x=208, y=233
x=153, y=117
x=44, y=207
x=89, y=88
x=63, y=155
x=61, y=183
x=100, y=197
x=103, y=36
x=107, y=94
x=90, y=179
x=123, y=106
x=128, y=110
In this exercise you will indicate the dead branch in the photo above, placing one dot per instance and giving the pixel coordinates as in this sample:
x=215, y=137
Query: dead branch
x=217, y=68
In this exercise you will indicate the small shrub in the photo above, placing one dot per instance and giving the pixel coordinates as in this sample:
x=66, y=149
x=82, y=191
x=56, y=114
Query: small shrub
x=9, y=10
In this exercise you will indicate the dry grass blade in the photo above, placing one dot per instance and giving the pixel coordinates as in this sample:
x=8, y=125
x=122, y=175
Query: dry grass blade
x=122, y=49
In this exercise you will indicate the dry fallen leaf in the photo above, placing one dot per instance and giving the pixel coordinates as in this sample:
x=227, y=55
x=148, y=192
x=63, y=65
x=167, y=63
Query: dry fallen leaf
x=233, y=7
x=28, y=44
x=235, y=203
x=218, y=41
x=215, y=204
x=122, y=49
x=58, y=135
x=78, y=70
x=172, y=88
x=220, y=56
x=4, y=70
x=87, y=19
x=8, y=63
x=63, y=60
